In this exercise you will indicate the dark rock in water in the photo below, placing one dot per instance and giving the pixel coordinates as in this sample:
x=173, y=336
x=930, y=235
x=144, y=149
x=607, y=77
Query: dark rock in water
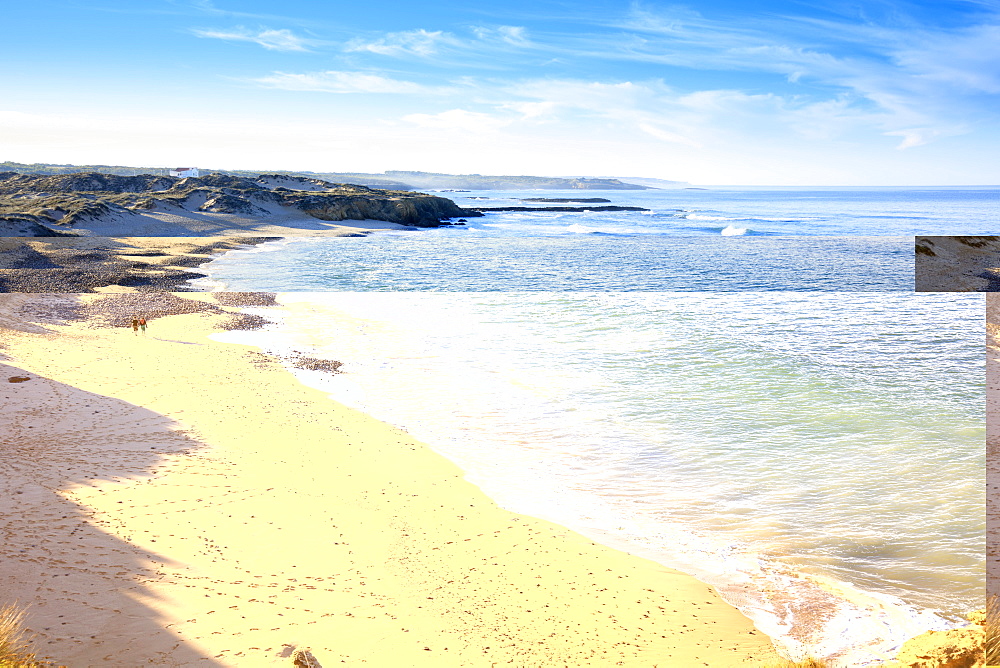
x=558, y=208
x=415, y=209
x=582, y=200
x=18, y=379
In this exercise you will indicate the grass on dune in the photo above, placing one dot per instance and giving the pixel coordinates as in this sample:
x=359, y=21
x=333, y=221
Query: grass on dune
x=992, y=641
x=15, y=650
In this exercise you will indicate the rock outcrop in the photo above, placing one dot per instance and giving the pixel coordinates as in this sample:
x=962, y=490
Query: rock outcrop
x=957, y=648
x=406, y=208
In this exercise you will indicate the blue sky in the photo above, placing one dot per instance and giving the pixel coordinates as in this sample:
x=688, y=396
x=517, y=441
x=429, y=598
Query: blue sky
x=720, y=92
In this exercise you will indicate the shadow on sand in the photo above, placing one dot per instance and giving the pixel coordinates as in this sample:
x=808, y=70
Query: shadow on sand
x=82, y=585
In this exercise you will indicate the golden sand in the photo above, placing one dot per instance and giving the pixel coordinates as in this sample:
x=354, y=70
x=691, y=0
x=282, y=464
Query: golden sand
x=177, y=501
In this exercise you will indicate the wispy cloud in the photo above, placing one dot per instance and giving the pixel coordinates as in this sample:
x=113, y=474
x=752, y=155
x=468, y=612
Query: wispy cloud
x=208, y=7
x=409, y=43
x=273, y=40
x=344, y=82
x=512, y=35
x=909, y=79
x=480, y=46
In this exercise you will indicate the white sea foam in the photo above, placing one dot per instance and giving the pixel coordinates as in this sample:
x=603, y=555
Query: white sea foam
x=698, y=216
x=732, y=231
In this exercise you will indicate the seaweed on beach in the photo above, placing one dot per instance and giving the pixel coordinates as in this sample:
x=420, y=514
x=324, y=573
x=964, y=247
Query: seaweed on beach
x=50, y=309
x=300, y=361
x=117, y=310
x=245, y=298
x=245, y=322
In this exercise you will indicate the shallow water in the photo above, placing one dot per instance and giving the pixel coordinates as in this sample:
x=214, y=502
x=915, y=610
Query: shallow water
x=699, y=240
x=818, y=457
x=433, y=260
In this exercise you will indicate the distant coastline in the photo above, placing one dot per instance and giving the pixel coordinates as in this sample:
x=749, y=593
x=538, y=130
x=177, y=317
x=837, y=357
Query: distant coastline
x=395, y=180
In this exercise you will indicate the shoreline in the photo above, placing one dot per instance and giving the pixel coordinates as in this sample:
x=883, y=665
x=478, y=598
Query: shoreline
x=813, y=601
x=143, y=263
x=211, y=524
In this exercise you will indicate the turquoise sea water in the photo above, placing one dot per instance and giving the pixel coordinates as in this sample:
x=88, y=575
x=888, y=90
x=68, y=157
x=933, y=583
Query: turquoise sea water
x=686, y=240
x=739, y=384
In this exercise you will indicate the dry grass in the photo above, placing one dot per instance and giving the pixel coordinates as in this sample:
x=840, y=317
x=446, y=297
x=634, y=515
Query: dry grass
x=992, y=629
x=15, y=651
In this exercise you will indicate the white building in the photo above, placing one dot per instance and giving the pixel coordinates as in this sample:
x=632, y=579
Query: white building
x=184, y=172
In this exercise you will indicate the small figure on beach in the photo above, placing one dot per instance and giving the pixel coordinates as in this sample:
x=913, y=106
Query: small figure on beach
x=135, y=326
x=142, y=325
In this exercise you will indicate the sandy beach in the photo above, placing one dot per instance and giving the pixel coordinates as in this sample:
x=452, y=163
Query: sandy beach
x=957, y=264
x=993, y=474
x=171, y=500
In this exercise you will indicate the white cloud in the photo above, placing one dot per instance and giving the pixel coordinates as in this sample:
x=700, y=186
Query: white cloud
x=412, y=42
x=968, y=61
x=463, y=50
x=512, y=35
x=914, y=136
x=342, y=82
x=274, y=40
x=921, y=81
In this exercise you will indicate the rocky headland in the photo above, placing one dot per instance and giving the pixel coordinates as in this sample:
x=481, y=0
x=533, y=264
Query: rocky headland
x=93, y=203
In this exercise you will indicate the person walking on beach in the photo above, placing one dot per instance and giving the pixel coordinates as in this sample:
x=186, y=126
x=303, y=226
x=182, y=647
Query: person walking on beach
x=135, y=326
x=142, y=325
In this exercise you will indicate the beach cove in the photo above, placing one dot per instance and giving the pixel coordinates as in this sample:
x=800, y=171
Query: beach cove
x=178, y=501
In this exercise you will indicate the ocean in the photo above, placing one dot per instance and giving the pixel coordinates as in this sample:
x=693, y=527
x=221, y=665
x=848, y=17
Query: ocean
x=815, y=454
x=685, y=240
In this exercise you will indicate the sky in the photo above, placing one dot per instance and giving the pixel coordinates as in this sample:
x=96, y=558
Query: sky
x=776, y=92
